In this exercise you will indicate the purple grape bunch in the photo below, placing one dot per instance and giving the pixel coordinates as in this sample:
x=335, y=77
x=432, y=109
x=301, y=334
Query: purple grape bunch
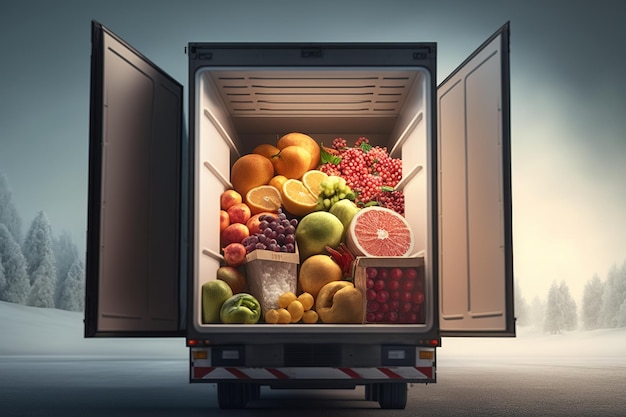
x=277, y=234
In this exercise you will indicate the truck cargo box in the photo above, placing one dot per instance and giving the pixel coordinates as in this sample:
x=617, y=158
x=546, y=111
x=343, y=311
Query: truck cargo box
x=154, y=186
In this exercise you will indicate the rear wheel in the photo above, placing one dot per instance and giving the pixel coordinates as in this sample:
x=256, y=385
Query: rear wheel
x=392, y=395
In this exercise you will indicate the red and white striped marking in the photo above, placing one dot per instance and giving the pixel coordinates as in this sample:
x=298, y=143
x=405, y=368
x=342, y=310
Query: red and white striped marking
x=399, y=372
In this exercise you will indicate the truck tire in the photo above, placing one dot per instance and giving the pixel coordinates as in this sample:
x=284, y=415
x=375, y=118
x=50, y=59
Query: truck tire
x=232, y=395
x=392, y=395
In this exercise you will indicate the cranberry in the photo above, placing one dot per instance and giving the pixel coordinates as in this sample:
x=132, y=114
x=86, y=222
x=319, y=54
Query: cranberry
x=380, y=316
x=379, y=284
x=408, y=285
x=394, y=305
x=382, y=296
x=383, y=273
x=370, y=294
x=406, y=307
x=395, y=295
x=369, y=283
x=407, y=297
x=370, y=316
x=410, y=273
x=372, y=306
x=395, y=273
x=391, y=316
x=393, y=285
x=418, y=297
x=371, y=272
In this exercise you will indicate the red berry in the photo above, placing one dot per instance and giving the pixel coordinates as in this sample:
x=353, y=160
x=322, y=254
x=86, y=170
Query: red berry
x=382, y=296
x=395, y=273
x=393, y=285
x=410, y=273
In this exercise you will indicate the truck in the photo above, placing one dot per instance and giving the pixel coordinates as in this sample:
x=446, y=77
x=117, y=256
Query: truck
x=153, y=238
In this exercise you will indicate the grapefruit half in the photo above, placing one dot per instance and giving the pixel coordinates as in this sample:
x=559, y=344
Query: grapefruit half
x=379, y=231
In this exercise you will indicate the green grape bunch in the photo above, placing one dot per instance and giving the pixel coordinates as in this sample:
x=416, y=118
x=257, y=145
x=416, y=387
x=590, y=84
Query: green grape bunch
x=332, y=189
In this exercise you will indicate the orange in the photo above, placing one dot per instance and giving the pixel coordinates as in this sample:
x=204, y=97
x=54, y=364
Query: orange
x=278, y=181
x=312, y=180
x=263, y=198
x=317, y=271
x=291, y=161
x=249, y=171
x=266, y=150
x=297, y=199
x=304, y=141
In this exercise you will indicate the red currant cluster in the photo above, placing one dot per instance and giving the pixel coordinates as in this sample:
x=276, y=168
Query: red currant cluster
x=369, y=171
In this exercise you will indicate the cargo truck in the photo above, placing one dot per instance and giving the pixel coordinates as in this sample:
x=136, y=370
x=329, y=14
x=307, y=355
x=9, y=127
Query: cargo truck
x=155, y=180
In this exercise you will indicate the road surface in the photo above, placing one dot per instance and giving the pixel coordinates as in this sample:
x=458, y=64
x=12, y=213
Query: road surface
x=57, y=386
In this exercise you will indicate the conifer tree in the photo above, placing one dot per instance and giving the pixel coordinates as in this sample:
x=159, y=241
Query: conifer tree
x=560, y=309
x=613, y=296
x=40, y=261
x=73, y=290
x=592, y=303
x=8, y=213
x=65, y=254
x=16, y=285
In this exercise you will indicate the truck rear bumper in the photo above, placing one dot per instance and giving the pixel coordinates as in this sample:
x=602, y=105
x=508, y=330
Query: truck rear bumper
x=219, y=365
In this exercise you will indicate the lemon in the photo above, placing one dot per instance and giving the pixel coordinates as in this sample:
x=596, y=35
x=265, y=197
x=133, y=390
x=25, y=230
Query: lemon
x=296, y=310
x=285, y=299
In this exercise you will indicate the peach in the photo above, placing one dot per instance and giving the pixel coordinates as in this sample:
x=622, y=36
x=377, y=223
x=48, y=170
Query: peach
x=224, y=220
x=229, y=198
x=239, y=213
x=234, y=254
x=253, y=222
x=234, y=233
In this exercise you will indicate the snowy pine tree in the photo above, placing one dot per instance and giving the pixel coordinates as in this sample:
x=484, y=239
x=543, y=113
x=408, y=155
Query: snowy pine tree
x=592, y=303
x=621, y=315
x=73, y=290
x=613, y=296
x=65, y=253
x=560, y=309
x=3, y=281
x=8, y=213
x=522, y=310
x=42, y=291
x=16, y=286
x=40, y=262
x=537, y=312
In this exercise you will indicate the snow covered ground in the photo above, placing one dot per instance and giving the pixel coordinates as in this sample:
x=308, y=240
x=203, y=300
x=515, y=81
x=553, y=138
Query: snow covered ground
x=38, y=331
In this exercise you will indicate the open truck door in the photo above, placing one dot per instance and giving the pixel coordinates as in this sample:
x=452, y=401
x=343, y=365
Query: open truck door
x=133, y=239
x=474, y=195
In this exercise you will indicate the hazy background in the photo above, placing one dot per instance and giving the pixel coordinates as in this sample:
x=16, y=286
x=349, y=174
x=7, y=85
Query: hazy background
x=568, y=102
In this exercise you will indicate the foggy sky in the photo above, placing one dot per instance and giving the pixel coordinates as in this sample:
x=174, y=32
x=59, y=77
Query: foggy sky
x=568, y=101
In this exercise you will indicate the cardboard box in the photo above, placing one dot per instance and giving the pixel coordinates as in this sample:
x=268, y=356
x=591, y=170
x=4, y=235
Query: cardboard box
x=270, y=274
x=394, y=289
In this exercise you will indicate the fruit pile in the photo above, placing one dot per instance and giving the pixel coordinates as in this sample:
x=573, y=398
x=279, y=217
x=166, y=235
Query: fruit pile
x=297, y=196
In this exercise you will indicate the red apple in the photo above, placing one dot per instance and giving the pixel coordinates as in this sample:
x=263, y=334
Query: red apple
x=235, y=254
x=229, y=198
x=239, y=213
x=224, y=220
x=253, y=222
x=234, y=233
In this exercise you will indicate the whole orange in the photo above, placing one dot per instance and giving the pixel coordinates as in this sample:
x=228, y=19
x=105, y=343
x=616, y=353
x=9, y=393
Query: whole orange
x=266, y=149
x=292, y=161
x=249, y=171
x=304, y=141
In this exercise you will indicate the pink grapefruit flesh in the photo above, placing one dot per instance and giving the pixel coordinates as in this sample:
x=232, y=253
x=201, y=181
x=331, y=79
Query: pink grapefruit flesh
x=378, y=231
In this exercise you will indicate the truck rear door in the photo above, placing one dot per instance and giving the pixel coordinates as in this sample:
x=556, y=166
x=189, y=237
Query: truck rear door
x=133, y=285
x=474, y=195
